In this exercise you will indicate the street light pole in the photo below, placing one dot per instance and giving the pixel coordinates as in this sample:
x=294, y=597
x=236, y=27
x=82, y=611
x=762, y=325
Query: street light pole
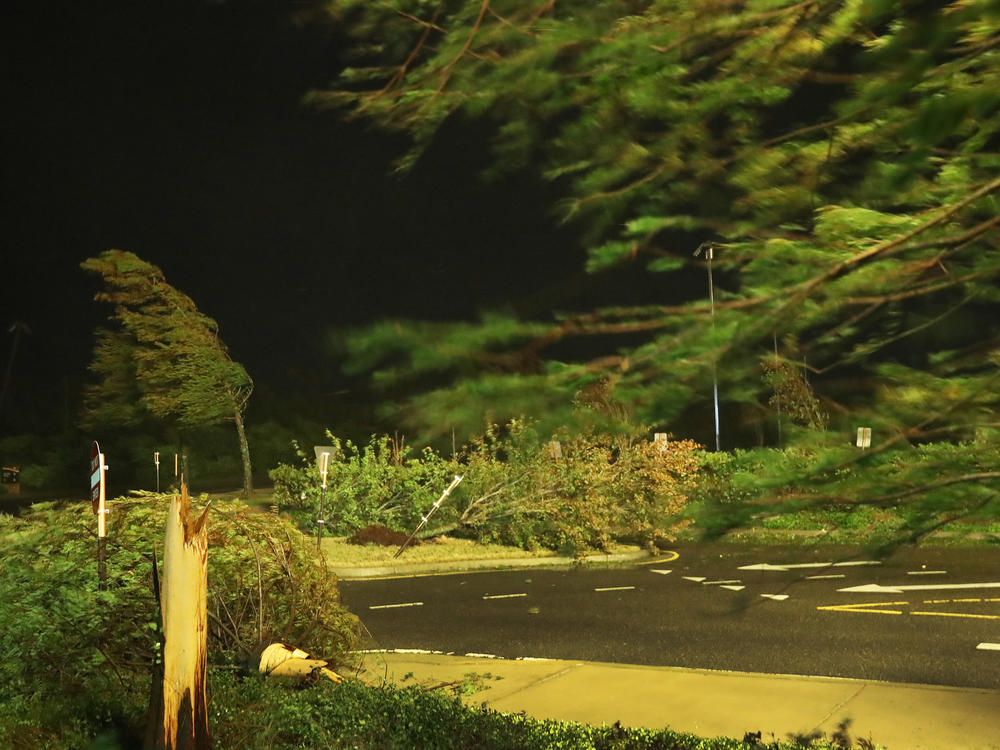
x=709, y=249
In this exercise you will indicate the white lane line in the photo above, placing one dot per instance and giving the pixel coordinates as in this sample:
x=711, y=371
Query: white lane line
x=503, y=596
x=719, y=583
x=394, y=606
x=616, y=588
x=988, y=647
x=926, y=572
x=874, y=588
x=791, y=566
x=776, y=597
x=733, y=588
x=820, y=578
x=696, y=579
x=661, y=572
x=474, y=655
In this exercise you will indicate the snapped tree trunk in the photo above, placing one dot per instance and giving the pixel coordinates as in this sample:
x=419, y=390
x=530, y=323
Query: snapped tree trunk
x=184, y=606
x=245, y=455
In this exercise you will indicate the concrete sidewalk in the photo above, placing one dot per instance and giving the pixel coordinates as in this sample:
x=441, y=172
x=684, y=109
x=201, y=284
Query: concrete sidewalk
x=710, y=703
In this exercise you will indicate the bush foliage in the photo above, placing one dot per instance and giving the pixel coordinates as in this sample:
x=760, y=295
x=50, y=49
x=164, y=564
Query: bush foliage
x=77, y=655
x=575, y=493
x=254, y=714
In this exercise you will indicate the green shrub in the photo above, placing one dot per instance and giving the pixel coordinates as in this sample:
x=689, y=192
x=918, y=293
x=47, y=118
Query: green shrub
x=78, y=655
x=383, y=482
x=514, y=489
x=251, y=713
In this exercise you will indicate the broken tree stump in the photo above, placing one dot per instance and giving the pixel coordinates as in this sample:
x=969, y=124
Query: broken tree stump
x=184, y=589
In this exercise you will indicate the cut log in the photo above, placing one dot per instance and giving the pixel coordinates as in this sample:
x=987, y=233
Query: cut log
x=279, y=660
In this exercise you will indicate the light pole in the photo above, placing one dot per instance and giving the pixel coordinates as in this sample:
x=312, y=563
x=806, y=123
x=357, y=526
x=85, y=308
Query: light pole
x=709, y=249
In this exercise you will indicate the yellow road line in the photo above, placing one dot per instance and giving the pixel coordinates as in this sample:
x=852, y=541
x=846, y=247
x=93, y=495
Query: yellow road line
x=662, y=558
x=861, y=608
x=958, y=614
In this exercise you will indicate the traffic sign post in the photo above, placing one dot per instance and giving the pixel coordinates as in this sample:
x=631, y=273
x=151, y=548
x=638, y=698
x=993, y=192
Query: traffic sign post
x=98, y=501
x=323, y=453
x=156, y=460
x=864, y=437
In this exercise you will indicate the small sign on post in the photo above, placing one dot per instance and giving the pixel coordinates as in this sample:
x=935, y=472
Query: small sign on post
x=323, y=453
x=98, y=501
x=864, y=437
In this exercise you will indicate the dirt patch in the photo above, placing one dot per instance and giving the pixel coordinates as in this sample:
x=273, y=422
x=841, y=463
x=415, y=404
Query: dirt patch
x=376, y=534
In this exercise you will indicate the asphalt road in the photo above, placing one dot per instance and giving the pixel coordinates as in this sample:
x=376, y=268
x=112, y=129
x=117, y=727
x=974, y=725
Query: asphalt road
x=936, y=619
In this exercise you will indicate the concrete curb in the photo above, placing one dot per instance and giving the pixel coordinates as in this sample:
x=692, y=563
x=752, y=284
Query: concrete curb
x=464, y=566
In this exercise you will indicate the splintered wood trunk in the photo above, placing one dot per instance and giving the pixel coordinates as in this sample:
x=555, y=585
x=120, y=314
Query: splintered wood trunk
x=184, y=588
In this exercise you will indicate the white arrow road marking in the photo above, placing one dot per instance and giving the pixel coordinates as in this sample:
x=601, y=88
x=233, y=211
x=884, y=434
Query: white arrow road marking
x=989, y=647
x=776, y=597
x=696, y=579
x=393, y=606
x=790, y=566
x=733, y=588
x=616, y=588
x=503, y=596
x=874, y=588
x=661, y=572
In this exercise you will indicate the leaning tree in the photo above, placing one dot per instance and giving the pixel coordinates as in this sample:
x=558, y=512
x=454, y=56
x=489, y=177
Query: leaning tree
x=834, y=161
x=162, y=356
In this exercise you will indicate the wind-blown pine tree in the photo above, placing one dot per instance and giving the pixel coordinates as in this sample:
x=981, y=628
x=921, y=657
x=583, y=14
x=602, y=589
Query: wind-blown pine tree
x=839, y=157
x=163, y=357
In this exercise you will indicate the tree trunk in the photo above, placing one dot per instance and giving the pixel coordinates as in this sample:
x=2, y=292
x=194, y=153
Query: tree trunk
x=184, y=605
x=245, y=455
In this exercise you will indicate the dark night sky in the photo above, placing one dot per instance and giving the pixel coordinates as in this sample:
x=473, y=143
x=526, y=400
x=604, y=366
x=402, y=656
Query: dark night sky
x=175, y=130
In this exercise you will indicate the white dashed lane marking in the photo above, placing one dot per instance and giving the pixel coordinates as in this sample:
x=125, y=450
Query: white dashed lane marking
x=394, y=606
x=616, y=588
x=503, y=596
